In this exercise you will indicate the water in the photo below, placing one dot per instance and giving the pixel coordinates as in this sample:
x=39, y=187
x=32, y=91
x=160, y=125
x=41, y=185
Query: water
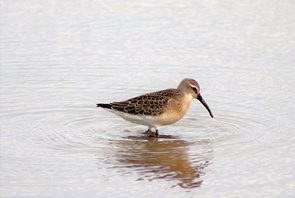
x=59, y=58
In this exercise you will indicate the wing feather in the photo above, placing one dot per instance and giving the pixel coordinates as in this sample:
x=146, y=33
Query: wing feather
x=148, y=104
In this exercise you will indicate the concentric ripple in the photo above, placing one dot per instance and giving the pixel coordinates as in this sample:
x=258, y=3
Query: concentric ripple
x=181, y=159
x=60, y=128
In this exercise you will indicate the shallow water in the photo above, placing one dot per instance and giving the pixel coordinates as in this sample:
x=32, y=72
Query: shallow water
x=59, y=58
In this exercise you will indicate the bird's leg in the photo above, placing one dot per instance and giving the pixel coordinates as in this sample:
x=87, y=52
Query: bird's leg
x=150, y=133
x=156, y=133
x=147, y=131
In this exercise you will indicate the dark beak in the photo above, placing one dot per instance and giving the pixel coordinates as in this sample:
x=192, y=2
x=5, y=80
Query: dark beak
x=200, y=98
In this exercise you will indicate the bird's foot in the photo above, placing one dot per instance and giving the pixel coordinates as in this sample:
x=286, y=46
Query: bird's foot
x=150, y=133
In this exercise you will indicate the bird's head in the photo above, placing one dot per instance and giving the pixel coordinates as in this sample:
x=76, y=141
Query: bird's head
x=192, y=88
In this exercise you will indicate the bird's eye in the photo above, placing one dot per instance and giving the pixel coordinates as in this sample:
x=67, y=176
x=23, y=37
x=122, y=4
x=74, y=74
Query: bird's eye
x=194, y=88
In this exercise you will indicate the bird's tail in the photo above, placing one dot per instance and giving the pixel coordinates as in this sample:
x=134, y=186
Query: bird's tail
x=107, y=106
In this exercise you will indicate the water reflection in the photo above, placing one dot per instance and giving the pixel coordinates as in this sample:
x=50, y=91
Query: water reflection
x=164, y=159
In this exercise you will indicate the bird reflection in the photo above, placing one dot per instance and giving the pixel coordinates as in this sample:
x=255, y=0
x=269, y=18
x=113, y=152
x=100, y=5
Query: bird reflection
x=161, y=159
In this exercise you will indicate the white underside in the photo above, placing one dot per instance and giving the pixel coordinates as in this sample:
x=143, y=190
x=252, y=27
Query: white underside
x=150, y=121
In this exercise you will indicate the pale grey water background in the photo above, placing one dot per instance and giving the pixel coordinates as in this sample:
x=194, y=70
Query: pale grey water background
x=59, y=58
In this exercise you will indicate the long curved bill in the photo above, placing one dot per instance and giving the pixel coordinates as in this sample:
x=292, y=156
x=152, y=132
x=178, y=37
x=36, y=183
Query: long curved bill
x=200, y=98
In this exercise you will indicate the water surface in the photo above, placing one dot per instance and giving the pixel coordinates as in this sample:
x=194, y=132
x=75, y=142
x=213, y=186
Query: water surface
x=60, y=58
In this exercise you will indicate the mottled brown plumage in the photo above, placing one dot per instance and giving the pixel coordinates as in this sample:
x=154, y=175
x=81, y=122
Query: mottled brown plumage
x=151, y=104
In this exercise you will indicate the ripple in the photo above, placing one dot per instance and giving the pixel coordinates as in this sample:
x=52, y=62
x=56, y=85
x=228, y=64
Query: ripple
x=83, y=130
x=226, y=128
x=182, y=156
x=240, y=128
x=68, y=129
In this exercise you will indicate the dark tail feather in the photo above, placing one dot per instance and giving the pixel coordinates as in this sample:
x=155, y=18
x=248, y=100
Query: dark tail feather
x=107, y=106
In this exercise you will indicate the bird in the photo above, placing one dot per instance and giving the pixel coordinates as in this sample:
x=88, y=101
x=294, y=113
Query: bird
x=158, y=108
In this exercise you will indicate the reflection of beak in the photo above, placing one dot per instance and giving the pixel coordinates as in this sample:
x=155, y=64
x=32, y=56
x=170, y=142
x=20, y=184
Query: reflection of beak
x=200, y=98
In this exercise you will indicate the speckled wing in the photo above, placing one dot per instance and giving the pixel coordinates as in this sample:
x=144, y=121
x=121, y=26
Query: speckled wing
x=148, y=104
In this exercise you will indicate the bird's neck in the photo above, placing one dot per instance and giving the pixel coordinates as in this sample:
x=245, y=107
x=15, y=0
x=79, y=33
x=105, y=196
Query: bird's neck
x=186, y=102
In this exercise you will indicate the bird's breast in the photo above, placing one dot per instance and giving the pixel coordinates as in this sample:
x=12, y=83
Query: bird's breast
x=175, y=110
